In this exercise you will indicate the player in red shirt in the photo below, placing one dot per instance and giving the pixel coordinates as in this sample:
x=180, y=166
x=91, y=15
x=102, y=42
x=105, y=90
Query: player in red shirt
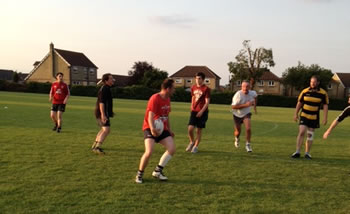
x=199, y=111
x=59, y=95
x=158, y=107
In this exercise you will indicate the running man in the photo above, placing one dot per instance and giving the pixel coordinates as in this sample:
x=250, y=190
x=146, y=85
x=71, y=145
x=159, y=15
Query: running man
x=241, y=103
x=199, y=111
x=59, y=95
x=158, y=107
x=309, y=102
x=103, y=112
x=341, y=117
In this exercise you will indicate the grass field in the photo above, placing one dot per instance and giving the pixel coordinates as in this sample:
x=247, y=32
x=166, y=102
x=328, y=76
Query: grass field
x=45, y=172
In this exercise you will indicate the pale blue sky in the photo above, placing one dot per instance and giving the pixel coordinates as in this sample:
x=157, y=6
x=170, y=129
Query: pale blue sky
x=174, y=33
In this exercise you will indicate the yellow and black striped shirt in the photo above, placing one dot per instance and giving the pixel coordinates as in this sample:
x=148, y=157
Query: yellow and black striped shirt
x=312, y=99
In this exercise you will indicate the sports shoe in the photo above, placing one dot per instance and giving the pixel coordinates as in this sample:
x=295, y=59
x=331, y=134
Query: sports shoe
x=54, y=128
x=98, y=150
x=295, y=155
x=194, y=149
x=308, y=156
x=138, y=179
x=236, y=142
x=159, y=175
x=189, y=147
x=58, y=129
x=248, y=147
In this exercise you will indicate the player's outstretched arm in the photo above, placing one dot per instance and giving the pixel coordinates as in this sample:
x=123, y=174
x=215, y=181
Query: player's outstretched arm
x=329, y=130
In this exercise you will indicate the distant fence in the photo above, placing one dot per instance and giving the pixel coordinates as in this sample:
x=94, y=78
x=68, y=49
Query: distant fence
x=144, y=93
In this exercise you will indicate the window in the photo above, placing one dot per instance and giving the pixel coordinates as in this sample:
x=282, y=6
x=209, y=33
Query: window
x=178, y=80
x=75, y=70
x=329, y=86
x=239, y=82
x=207, y=81
x=271, y=83
x=76, y=82
x=261, y=83
x=92, y=71
x=189, y=80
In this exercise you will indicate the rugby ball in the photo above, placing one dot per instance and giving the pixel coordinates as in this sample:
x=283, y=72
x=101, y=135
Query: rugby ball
x=159, y=125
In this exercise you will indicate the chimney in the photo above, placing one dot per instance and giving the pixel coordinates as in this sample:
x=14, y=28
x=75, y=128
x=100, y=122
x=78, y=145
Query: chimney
x=52, y=53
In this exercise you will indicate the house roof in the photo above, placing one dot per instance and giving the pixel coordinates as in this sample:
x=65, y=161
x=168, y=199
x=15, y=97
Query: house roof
x=120, y=80
x=6, y=74
x=190, y=71
x=75, y=58
x=344, y=78
x=268, y=75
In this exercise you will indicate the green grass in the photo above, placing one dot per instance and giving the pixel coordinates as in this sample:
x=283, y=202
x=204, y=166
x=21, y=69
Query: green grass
x=45, y=172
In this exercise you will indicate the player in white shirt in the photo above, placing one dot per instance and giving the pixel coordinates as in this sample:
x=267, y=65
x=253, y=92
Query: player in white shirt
x=241, y=104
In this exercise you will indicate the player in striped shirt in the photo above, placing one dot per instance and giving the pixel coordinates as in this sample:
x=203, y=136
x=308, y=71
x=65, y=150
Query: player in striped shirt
x=309, y=102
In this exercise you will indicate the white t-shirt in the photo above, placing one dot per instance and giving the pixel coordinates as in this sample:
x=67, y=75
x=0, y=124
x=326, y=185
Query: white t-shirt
x=241, y=98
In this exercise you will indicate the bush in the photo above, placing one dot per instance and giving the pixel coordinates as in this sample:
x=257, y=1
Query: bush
x=181, y=95
x=36, y=87
x=80, y=90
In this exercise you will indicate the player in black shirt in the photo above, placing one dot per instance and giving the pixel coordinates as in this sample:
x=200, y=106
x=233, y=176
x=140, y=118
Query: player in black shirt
x=103, y=112
x=341, y=117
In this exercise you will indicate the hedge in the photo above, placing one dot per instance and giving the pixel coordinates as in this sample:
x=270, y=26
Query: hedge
x=180, y=95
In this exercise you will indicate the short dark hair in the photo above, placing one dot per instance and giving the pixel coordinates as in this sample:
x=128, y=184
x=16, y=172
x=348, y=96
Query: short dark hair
x=200, y=74
x=315, y=77
x=105, y=77
x=167, y=83
x=59, y=74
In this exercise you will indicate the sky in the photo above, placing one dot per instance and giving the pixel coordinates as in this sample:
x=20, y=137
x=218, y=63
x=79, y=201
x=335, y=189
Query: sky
x=170, y=34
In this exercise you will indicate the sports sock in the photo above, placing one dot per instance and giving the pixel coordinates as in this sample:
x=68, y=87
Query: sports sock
x=139, y=173
x=247, y=143
x=297, y=151
x=98, y=145
x=236, y=139
x=158, y=168
x=164, y=159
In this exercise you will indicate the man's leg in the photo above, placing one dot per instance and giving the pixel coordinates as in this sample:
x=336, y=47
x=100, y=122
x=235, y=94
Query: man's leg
x=100, y=138
x=248, y=134
x=53, y=115
x=300, y=139
x=197, y=141
x=191, y=138
x=308, y=143
x=169, y=145
x=59, y=121
x=237, y=133
x=149, y=144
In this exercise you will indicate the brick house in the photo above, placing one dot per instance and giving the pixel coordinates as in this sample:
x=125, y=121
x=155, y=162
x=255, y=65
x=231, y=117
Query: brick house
x=185, y=77
x=76, y=68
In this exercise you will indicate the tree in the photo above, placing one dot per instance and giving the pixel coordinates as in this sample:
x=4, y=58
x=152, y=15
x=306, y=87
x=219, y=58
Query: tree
x=299, y=77
x=250, y=64
x=144, y=73
x=15, y=77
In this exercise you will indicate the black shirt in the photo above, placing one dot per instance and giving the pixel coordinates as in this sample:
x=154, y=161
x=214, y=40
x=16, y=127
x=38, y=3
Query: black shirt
x=104, y=96
x=344, y=114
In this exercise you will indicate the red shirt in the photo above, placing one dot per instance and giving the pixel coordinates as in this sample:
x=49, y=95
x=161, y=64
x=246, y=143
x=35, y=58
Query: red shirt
x=59, y=91
x=199, y=94
x=160, y=107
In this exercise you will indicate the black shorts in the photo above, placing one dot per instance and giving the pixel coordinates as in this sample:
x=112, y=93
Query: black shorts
x=239, y=120
x=107, y=123
x=148, y=134
x=198, y=122
x=58, y=107
x=309, y=123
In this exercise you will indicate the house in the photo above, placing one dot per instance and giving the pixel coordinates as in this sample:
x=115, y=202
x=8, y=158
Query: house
x=6, y=74
x=120, y=80
x=268, y=83
x=77, y=69
x=339, y=86
x=185, y=77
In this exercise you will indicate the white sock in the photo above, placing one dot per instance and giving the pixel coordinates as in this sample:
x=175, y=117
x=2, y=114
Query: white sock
x=164, y=159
